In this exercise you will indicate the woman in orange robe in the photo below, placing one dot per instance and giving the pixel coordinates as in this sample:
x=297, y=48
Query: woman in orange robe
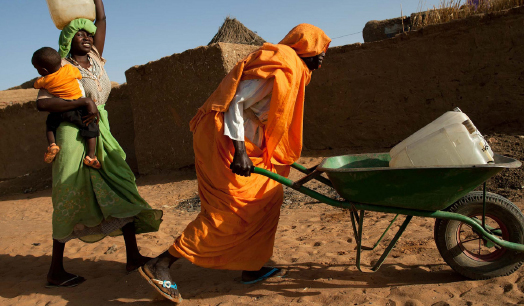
x=236, y=227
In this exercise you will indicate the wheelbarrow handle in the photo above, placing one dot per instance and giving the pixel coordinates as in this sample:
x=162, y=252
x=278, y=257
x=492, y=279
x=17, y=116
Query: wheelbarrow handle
x=311, y=174
x=296, y=166
x=274, y=176
x=298, y=187
x=303, y=169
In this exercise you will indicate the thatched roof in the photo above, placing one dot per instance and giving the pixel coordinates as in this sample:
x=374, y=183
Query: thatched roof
x=233, y=31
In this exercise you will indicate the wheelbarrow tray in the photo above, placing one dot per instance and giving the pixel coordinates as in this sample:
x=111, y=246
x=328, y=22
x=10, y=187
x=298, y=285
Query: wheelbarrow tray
x=368, y=179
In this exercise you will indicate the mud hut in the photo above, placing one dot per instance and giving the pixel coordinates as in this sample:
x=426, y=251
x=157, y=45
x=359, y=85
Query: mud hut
x=233, y=31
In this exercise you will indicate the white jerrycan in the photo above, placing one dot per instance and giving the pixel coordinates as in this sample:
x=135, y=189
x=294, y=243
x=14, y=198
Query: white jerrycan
x=452, y=139
x=64, y=11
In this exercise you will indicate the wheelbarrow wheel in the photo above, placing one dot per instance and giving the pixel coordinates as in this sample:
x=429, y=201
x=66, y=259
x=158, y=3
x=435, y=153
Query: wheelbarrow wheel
x=466, y=252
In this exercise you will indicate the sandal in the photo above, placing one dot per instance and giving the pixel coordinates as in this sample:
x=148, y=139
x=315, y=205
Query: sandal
x=92, y=162
x=274, y=272
x=155, y=283
x=73, y=282
x=50, y=155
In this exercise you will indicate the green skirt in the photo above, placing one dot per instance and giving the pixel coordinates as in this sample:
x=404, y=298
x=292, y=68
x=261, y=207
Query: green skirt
x=86, y=197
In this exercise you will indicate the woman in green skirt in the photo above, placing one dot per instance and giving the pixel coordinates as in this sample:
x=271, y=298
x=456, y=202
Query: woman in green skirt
x=91, y=204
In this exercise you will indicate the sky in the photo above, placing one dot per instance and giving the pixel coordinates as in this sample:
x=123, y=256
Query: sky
x=140, y=31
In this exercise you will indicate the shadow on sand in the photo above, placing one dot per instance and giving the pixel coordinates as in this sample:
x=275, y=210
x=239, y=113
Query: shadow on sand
x=108, y=283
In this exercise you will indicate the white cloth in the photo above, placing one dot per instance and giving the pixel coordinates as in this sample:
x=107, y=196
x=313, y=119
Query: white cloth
x=255, y=95
x=81, y=88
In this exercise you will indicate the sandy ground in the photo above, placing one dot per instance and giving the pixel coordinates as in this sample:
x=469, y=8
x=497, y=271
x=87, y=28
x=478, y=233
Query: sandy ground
x=314, y=242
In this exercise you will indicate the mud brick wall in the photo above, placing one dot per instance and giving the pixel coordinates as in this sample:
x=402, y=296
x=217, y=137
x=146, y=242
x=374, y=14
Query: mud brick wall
x=22, y=135
x=376, y=94
x=165, y=95
x=120, y=115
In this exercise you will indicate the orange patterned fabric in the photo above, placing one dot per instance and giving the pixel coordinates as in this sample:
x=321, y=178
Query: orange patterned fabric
x=236, y=227
x=62, y=84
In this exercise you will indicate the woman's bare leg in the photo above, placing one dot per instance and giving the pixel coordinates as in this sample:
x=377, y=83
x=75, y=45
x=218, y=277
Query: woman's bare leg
x=134, y=258
x=57, y=274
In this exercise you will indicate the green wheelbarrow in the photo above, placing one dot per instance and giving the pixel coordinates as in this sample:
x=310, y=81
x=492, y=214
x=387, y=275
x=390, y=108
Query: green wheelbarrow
x=479, y=234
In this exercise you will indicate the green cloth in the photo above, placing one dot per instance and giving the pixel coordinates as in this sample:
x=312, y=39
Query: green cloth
x=69, y=31
x=83, y=195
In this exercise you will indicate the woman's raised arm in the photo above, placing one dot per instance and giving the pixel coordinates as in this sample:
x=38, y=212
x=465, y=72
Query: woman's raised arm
x=100, y=23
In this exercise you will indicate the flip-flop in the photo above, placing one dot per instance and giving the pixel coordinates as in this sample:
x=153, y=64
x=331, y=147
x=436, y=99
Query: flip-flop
x=269, y=274
x=166, y=284
x=64, y=284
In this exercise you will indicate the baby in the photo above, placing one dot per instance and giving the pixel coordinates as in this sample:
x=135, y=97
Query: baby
x=63, y=82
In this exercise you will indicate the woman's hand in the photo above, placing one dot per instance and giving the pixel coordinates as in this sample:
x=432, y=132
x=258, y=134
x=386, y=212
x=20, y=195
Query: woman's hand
x=92, y=111
x=241, y=164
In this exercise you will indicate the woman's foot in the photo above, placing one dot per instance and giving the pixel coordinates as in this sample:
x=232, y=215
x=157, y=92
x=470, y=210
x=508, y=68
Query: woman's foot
x=156, y=272
x=50, y=155
x=92, y=162
x=135, y=263
x=63, y=279
x=251, y=277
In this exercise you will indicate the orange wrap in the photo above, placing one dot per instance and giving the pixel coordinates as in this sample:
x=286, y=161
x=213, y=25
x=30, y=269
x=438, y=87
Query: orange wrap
x=63, y=83
x=236, y=227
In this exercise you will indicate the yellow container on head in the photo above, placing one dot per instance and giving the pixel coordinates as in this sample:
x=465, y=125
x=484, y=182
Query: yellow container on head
x=64, y=11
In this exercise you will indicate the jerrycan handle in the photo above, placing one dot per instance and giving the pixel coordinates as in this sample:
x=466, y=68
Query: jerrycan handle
x=469, y=126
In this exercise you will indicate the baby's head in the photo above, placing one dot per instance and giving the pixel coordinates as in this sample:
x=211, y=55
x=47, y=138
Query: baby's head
x=46, y=60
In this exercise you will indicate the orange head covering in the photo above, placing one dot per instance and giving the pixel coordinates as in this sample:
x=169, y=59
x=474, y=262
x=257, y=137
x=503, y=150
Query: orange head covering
x=282, y=62
x=307, y=40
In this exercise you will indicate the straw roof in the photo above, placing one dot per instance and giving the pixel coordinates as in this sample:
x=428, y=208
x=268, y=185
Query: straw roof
x=233, y=31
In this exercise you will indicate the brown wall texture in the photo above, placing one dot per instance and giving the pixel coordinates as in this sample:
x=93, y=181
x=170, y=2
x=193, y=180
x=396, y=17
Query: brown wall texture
x=120, y=115
x=375, y=95
x=22, y=135
x=166, y=94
